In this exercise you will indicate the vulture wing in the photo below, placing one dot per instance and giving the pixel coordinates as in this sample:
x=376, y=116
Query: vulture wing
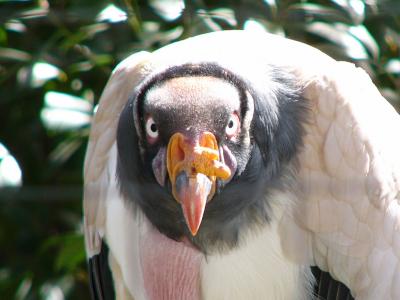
x=99, y=174
x=348, y=213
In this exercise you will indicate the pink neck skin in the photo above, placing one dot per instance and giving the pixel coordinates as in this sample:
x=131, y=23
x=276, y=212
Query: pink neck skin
x=171, y=269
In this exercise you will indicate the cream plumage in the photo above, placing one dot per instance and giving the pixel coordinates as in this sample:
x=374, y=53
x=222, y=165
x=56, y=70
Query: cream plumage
x=338, y=208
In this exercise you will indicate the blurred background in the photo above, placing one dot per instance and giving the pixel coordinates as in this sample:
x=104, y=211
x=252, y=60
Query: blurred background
x=55, y=58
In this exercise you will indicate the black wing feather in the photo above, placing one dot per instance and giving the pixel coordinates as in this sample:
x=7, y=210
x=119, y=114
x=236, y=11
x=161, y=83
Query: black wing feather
x=327, y=288
x=101, y=282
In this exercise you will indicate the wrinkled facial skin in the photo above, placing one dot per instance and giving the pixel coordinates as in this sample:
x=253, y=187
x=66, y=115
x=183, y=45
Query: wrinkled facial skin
x=191, y=106
x=194, y=119
x=198, y=163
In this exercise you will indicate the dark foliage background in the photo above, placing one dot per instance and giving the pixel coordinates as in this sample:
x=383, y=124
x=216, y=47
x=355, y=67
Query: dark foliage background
x=55, y=58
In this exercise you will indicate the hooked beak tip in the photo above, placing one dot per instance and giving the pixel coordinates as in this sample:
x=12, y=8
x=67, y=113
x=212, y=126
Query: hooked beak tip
x=192, y=193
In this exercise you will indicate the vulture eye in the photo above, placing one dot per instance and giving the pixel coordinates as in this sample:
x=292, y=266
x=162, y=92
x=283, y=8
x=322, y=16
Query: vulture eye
x=233, y=126
x=151, y=129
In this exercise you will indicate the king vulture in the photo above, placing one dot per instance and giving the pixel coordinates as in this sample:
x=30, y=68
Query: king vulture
x=226, y=165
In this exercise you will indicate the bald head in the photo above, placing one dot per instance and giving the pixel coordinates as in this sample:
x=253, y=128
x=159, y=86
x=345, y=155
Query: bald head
x=196, y=92
x=201, y=102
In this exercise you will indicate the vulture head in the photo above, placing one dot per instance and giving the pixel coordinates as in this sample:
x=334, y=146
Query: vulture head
x=199, y=150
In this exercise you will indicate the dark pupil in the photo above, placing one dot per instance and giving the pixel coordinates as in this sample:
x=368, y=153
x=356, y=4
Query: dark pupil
x=230, y=124
x=153, y=127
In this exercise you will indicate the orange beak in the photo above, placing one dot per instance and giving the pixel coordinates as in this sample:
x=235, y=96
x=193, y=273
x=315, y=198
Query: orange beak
x=193, y=168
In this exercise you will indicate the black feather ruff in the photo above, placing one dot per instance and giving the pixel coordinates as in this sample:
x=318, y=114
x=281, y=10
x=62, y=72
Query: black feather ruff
x=243, y=203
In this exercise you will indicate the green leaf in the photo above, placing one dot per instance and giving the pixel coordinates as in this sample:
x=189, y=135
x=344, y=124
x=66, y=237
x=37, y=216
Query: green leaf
x=71, y=253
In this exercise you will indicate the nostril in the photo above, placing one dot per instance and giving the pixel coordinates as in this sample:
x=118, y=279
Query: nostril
x=208, y=140
x=180, y=153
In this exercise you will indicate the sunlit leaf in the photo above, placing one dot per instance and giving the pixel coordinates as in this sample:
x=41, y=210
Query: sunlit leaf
x=393, y=66
x=61, y=119
x=65, y=150
x=10, y=171
x=92, y=30
x=271, y=3
x=15, y=25
x=310, y=12
x=95, y=108
x=254, y=25
x=151, y=27
x=83, y=66
x=218, y=19
x=224, y=14
x=43, y=72
x=263, y=26
x=365, y=37
x=23, y=288
x=273, y=8
x=208, y=21
x=14, y=54
x=112, y=14
x=57, y=100
x=34, y=13
x=57, y=288
x=337, y=35
x=65, y=112
x=355, y=9
x=155, y=35
x=51, y=292
x=169, y=10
